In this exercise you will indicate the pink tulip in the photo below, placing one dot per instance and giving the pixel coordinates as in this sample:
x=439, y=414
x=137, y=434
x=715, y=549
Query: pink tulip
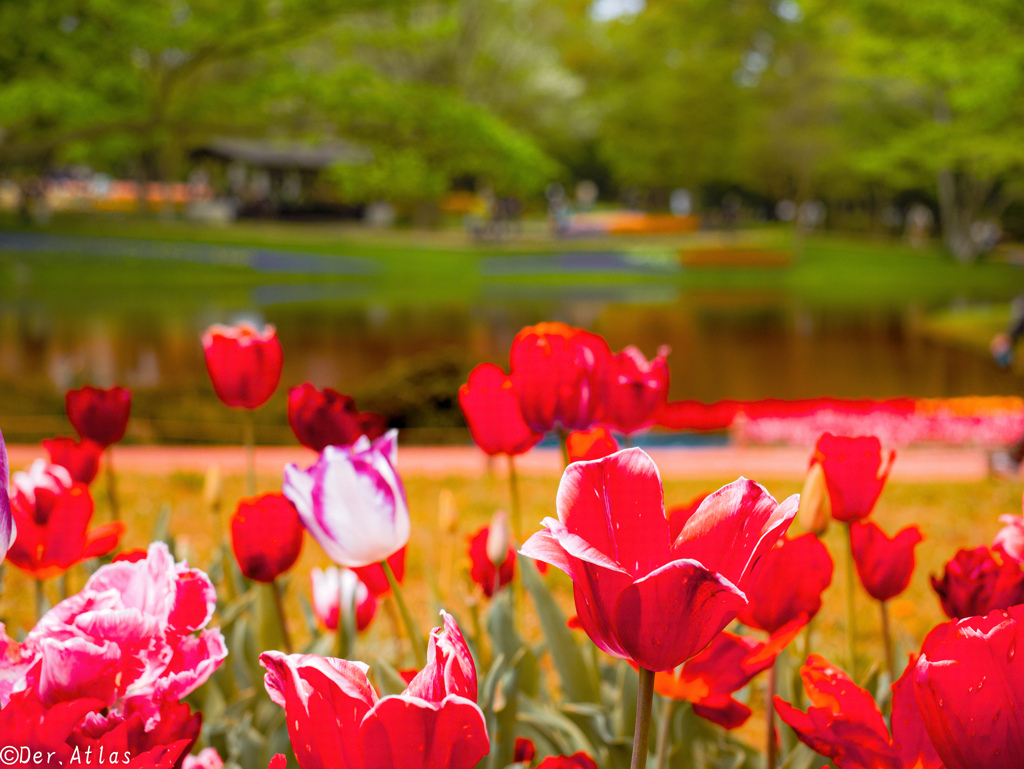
x=8, y=532
x=352, y=501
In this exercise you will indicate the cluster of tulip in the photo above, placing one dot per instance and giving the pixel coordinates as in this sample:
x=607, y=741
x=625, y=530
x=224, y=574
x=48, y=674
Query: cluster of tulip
x=693, y=602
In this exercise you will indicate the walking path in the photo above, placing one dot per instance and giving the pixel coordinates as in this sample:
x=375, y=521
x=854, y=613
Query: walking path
x=717, y=462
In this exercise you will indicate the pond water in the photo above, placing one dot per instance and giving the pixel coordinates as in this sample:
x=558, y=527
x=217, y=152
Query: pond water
x=406, y=357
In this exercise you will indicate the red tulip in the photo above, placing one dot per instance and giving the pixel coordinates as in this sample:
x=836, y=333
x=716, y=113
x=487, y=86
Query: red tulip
x=335, y=718
x=99, y=415
x=560, y=376
x=322, y=418
x=376, y=580
x=578, y=760
x=640, y=595
x=266, y=536
x=244, y=363
x=491, y=408
x=970, y=687
x=595, y=443
x=51, y=514
x=855, y=472
x=680, y=514
x=82, y=459
x=844, y=724
x=525, y=751
x=795, y=574
x=163, y=746
x=25, y=722
x=885, y=565
x=711, y=678
x=976, y=582
x=637, y=388
x=483, y=570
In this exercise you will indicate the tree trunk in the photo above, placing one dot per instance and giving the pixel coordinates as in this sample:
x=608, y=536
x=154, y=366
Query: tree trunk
x=961, y=198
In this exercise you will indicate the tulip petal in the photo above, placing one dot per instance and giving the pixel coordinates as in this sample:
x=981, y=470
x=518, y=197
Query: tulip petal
x=734, y=528
x=616, y=505
x=671, y=614
x=403, y=732
x=727, y=712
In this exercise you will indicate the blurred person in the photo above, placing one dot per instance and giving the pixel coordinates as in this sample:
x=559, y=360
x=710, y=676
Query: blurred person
x=1006, y=463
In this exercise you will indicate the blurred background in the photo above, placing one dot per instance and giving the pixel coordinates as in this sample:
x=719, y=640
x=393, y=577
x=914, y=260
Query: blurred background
x=803, y=198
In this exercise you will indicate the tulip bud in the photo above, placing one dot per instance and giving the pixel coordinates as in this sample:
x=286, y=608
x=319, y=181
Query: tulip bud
x=814, y=512
x=447, y=515
x=498, y=538
x=213, y=489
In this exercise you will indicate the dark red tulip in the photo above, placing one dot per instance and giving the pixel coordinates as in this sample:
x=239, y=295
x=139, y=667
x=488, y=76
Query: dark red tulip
x=491, y=407
x=244, y=363
x=322, y=418
x=710, y=679
x=483, y=570
x=560, y=375
x=855, y=472
x=164, y=745
x=795, y=574
x=640, y=595
x=844, y=723
x=82, y=460
x=525, y=751
x=976, y=582
x=595, y=443
x=637, y=389
x=885, y=565
x=578, y=760
x=970, y=687
x=52, y=514
x=26, y=722
x=99, y=415
x=266, y=536
x=376, y=580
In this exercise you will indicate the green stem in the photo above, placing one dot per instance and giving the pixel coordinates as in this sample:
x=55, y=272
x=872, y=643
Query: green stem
x=62, y=586
x=415, y=637
x=563, y=440
x=769, y=718
x=249, y=438
x=668, y=708
x=115, y=509
x=286, y=638
x=642, y=735
x=40, y=600
x=890, y=661
x=851, y=605
x=513, y=488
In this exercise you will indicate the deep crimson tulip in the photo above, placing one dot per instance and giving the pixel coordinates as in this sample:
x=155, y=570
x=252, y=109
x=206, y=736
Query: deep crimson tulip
x=884, y=565
x=524, y=752
x=81, y=459
x=795, y=574
x=491, y=407
x=844, y=723
x=578, y=760
x=322, y=418
x=969, y=684
x=266, y=536
x=376, y=580
x=335, y=593
x=595, y=443
x=855, y=472
x=335, y=718
x=51, y=514
x=976, y=582
x=482, y=568
x=8, y=529
x=26, y=722
x=637, y=389
x=640, y=595
x=244, y=363
x=99, y=415
x=560, y=375
x=166, y=745
x=711, y=678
